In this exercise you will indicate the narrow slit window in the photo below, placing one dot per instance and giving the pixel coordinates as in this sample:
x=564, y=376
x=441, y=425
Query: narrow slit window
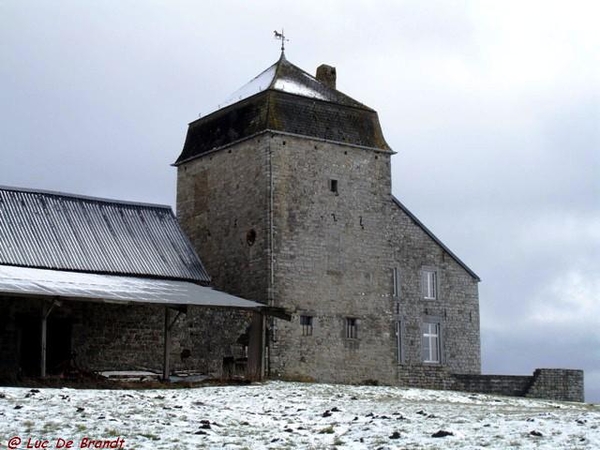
x=333, y=186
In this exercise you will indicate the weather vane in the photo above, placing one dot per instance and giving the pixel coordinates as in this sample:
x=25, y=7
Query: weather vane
x=281, y=37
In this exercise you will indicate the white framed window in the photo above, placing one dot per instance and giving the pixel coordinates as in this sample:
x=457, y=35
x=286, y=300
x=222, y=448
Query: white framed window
x=306, y=322
x=351, y=328
x=431, y=339
x=430, y=284
x=399, y=340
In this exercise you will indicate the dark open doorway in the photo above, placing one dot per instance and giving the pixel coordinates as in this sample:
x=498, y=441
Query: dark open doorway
x=58, y=345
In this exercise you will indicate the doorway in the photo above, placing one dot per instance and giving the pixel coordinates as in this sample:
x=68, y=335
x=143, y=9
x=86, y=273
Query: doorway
x=58, y=345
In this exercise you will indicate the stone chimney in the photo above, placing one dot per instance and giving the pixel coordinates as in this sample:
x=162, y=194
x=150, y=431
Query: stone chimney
x=326, y=75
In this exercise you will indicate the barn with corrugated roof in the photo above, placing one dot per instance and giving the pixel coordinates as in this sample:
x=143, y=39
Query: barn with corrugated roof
x=95, y=284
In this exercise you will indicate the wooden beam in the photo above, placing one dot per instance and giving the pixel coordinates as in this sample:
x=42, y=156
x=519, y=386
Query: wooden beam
x=45, y=313
x=44, y=340
x=167, y=346
x=254, y=369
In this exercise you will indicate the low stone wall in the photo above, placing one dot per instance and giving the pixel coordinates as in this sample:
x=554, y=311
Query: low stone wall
x=551, y=384
x=557, y=384
x=513, y=385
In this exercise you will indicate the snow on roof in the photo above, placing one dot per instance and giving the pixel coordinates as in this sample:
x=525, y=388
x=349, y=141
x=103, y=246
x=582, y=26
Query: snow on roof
x=285, y=77
x=25, y=281
x=254, y=86
x=293, y=87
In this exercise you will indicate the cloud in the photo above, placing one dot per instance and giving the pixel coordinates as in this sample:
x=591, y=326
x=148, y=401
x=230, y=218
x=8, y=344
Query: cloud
x=572, y=299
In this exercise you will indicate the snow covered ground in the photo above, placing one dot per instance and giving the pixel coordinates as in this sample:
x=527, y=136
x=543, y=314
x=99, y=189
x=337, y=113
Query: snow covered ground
x=278, y=415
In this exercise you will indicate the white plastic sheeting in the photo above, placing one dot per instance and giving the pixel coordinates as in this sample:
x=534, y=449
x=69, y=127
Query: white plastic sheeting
x=113, y=289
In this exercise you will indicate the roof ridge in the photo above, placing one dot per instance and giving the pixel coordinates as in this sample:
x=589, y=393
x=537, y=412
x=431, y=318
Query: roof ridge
x=434, y=237
x=83, y=197
x=291, y=83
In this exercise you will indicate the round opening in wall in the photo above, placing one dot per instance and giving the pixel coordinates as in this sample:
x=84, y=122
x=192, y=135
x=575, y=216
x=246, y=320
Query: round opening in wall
x=251, y=237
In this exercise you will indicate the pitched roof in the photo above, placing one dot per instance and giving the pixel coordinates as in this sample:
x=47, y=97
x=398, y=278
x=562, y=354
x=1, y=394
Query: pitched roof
x=285, y=98
x=434, y=237
x=284, y=76
x=50, y=230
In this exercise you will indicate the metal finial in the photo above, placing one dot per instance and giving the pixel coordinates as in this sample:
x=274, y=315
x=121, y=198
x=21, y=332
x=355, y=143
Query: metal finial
x=281, y=37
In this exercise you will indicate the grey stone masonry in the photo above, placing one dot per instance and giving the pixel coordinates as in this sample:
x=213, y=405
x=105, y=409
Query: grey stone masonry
x=311, y=226
x=557, y=384
x=99, y=336
x=551, y=384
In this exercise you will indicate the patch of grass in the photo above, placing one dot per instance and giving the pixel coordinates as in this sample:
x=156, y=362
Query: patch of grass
x=80, y=427
x=112, y=432
x=299, y=378
x=51, y=426
x=28, y=424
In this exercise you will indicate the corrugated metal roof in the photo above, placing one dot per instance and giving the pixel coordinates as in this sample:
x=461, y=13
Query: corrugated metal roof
x=114, y=289
x=75, y=233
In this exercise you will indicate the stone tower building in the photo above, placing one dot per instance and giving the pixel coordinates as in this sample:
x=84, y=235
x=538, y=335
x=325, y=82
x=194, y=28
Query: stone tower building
x=285, y=192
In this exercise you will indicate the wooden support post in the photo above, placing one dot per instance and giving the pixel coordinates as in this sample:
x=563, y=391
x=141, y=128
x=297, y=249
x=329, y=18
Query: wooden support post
x=45, y=313
x=44, y=340
x=254, y=370
x=167, y=346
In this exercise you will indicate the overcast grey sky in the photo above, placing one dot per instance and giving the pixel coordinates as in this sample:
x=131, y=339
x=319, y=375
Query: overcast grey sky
x=493, y=108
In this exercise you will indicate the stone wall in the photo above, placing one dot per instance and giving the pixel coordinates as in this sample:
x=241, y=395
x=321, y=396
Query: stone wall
x=456, y=307
x=99, y=336
x=223, y=207
x=551, y=384
x=334, y=255
x=557, y=384
x=332, y=261
x=511, y=385
x=326, y=238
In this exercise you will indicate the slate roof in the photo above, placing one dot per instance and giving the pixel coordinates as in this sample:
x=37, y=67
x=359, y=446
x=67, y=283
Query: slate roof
x=285, y=98
x=50, y=230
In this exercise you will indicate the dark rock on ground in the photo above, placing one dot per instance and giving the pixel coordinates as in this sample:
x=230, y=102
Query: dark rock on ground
x=442, y=433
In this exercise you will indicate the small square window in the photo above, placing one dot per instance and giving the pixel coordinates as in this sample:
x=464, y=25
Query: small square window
x=351, y=328
x=430, y=284
x=333, y=186
x=307, y=325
